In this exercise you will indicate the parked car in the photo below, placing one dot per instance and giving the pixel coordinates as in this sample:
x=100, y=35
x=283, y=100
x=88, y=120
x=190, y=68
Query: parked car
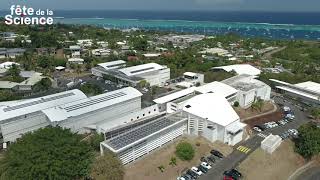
x=293, y=132
x=216, y=153
x=256, y=129
x=211, y=159
x=204, y=159
x=205, y=165
x=202, y=169
x=233, y=173
x=192, y=174
x=197, y=171
x=181, y=178
x=284, y=135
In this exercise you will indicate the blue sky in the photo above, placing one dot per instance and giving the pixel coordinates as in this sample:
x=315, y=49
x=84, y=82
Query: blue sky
x=254, y=5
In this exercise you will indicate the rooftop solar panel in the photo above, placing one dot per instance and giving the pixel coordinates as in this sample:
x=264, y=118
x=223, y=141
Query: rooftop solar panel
x=94, y=101
x=139, y=133
x=42, y=100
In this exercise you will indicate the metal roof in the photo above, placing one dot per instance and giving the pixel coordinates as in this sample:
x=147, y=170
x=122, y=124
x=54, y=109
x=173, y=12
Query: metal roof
x=142, y=132
x=62, y=112
x=140, y=69
x=38, y=104
x=241, y=69
x=218, y=88
x=112, y=64
x=175, y=95
x=212, y=107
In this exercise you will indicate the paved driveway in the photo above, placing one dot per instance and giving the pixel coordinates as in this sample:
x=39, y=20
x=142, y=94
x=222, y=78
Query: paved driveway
x=237, y=156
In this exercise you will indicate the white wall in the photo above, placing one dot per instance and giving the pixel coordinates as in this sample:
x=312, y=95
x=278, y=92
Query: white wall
x=19, y=126
x=157, y=78
x=245, y=99
x=78, y=123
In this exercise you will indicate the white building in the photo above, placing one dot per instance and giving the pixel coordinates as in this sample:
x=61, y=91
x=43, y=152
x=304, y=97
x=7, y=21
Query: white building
x=70, y=109
x=154, y=74
x=8, y=65
x=101, y=52
x=75, y=51
x=75, y=61
x=112, y=65
x=271, y=143
x=239, y=69
x=249, y=89
x=194, y=78
x=140, y=138
x=175, y=101
x=219, y=51
x=211, y=116
x=306, y=92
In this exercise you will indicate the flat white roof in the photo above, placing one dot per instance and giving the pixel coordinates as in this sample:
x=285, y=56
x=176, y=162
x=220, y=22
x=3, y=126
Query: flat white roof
x=191, y=74
x=33, y=79
x=112, y=64
x=38, y=104
x=212, y=107
x=241, y=69
x=140, y=69
x=75, y=60
x=86, y=105
x=175, y=95
x=309, y=85
x=152, y=55
x=217, y=88
x=7, y=84
x=301, y=93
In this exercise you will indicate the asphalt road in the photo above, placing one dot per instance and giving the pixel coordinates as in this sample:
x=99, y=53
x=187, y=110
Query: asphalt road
x=310, y=174
x=236, y=157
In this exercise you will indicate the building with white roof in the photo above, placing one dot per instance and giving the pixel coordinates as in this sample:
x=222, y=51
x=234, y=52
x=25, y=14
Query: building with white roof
x=70, y=109
x=211, y=116
x=249, y=89
x=75, y=61
x=113, y=64
x=306, y=92
x=75, y=51
x=219, y=51
x=8, y=65
x=239, y=69
x=137, y=139
x=154, y=74
x=175, y=101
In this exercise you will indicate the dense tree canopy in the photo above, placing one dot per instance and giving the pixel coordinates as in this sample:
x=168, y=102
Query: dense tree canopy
x=49, y=153
x=91, y=89
x=43, y=85
x=308, y=142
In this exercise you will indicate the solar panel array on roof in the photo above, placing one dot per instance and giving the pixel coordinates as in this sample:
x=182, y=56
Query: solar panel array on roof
x=42, y=100
x=139, y=133
x=94, y=101
x=141, y=70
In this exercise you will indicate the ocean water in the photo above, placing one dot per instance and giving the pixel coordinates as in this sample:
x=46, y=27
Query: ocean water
x=274, y=25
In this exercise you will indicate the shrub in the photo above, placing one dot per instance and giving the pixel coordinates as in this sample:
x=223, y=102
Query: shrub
x=108, y=167
x=185, y=151
x=236, y=104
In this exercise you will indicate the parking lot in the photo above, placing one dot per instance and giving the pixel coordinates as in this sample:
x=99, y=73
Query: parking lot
x=243, y=150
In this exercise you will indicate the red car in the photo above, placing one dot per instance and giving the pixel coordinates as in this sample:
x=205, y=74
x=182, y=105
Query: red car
x=228, y=178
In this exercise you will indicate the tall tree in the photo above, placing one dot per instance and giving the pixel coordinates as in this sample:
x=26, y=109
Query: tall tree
x=49, y=153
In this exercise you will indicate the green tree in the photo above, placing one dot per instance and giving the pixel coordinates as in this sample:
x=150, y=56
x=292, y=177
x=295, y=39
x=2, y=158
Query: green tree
x=91, y=89
x=108, y=167
x=14, y=73
x=95, y=140
x=316, y=113
x=308, y=142
x=173, y=161
x=185, y=151
x=43, y=85
x=48, y=153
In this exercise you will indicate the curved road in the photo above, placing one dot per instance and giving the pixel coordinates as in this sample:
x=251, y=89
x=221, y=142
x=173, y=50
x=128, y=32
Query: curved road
x=310, y=174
